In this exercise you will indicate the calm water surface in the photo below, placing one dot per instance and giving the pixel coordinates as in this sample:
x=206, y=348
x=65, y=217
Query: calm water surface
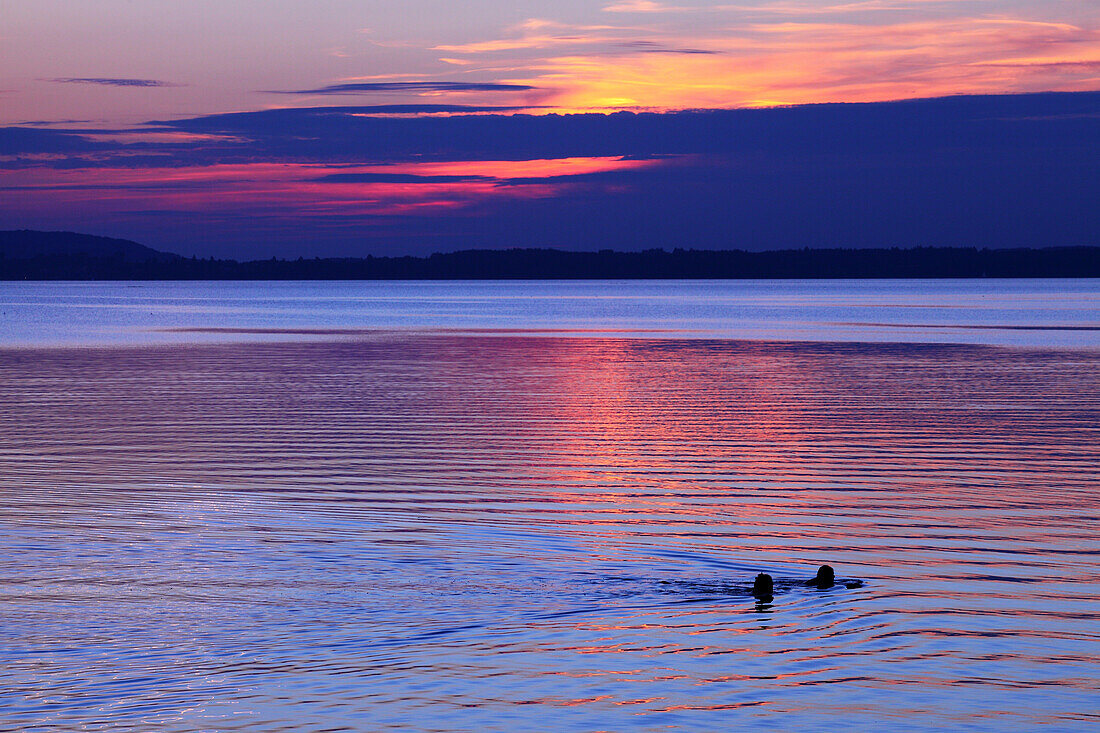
x=428, y=530
x=1005, y=312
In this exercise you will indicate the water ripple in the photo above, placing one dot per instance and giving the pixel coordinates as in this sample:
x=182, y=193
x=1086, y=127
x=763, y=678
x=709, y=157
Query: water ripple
x=508, y=532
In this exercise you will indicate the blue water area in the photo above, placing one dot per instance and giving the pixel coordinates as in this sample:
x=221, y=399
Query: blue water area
x=321, y=522
x=1001, y=312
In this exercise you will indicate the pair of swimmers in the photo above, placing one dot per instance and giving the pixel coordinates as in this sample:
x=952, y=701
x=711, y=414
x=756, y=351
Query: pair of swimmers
x=764, y=586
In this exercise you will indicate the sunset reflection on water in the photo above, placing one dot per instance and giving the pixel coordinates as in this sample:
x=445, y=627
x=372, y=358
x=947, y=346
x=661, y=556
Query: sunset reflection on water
x=443, y=532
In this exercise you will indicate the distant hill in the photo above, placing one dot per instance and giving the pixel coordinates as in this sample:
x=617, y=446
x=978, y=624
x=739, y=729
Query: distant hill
x=26, y=255
x=26, y=244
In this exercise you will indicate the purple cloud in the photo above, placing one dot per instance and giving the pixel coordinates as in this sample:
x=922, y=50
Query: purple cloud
x=411, y=86
x=654, y=47
x=112, y=82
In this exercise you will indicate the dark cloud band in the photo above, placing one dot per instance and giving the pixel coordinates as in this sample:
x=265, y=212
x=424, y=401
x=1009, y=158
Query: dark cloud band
x=411, y=86
x=112, y=82
x=996, y=171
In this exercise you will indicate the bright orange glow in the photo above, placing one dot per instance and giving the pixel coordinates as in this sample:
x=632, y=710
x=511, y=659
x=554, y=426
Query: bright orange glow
x=782, y=63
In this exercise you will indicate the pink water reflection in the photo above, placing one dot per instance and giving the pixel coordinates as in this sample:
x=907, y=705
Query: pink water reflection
x=463, y=526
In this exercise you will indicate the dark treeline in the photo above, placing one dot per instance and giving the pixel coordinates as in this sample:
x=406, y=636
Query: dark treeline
x=923, y=262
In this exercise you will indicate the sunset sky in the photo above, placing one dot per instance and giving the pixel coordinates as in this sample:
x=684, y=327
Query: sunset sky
x=351, y=127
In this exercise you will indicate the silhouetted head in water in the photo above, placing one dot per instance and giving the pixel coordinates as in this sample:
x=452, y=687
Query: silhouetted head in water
x=825, y=577
x=763, y=587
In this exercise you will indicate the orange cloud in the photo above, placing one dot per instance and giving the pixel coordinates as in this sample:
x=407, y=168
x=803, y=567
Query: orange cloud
x=539, y=34
x=797, y=63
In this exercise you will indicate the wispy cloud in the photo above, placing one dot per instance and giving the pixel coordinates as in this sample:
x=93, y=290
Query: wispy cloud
x=654, y=47
x=1027, y=64
x=114, y=82
x=391, y=87
x=538, y=33
x=803, y=9
x=640, y=6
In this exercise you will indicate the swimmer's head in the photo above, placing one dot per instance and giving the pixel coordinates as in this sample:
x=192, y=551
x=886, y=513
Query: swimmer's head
x=763, y=586
x=825, y=576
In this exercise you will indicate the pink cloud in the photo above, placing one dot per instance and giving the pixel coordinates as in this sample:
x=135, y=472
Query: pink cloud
x=291, y=190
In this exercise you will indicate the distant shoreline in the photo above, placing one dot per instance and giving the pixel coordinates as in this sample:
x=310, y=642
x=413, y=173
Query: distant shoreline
x=45, y=256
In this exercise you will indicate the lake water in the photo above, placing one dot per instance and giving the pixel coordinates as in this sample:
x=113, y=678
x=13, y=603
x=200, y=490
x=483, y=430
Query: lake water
x=445, y=507
x=1001, y=312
